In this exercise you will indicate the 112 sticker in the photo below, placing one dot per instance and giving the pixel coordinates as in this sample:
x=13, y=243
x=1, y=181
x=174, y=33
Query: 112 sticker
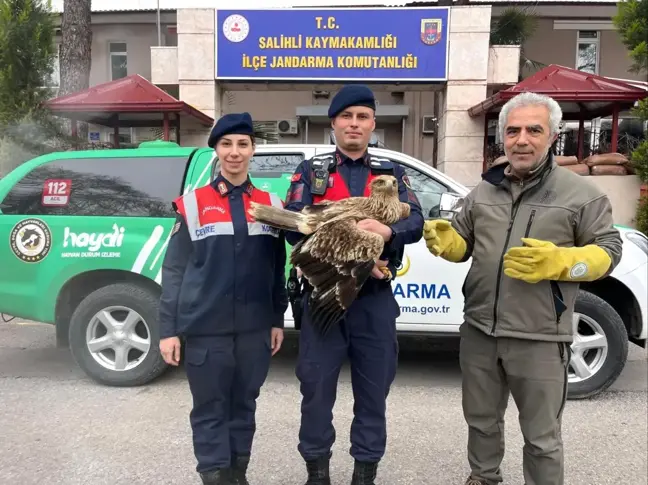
x=56, y=192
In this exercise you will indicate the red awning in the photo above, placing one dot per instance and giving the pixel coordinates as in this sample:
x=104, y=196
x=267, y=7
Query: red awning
x=578, y=93
x=130, y=101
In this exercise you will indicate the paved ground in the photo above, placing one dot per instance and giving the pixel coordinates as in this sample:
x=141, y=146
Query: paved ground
x=57, y=427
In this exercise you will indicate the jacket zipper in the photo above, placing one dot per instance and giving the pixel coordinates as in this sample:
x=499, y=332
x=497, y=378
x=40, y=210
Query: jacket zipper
x=553, y=303
x=528, y=228
x=500, y=269
x=565, y=353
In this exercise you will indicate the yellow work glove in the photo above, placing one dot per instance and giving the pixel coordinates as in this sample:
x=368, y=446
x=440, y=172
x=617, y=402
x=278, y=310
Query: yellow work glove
x=543, y=260
x=442, y=240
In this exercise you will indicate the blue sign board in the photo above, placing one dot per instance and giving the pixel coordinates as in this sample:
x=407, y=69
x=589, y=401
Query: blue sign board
x=399, y=44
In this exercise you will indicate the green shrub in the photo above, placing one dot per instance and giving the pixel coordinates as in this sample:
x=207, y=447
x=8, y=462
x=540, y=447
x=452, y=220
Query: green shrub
x=639, y=159
x=642, y=215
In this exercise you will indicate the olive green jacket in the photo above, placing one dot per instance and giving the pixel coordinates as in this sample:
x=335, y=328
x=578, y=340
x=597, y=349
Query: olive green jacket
x=555, y=205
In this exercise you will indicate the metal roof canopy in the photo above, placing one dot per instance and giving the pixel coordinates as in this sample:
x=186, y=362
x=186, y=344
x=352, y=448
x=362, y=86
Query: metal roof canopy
x=131, y=101
x=580, y=94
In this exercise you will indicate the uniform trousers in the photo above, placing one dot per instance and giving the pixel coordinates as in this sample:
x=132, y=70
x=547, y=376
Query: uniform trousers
x=225, y=375
x=367, y=338
x=535, y=374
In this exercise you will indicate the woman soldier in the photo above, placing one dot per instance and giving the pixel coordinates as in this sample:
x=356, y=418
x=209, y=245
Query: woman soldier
x=224, y=292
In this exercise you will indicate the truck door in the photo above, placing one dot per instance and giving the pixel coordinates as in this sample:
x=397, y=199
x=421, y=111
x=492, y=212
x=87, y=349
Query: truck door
x=428, y=289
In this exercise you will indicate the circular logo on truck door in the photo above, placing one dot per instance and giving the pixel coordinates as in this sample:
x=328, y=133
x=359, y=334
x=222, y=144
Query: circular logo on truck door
x=31, y=240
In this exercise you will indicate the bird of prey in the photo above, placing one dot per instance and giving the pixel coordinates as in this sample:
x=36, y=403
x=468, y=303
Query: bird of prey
x=335, y=255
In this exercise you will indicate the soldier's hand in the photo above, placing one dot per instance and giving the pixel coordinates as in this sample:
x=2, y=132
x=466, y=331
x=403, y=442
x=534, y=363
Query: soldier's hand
x=170, y=350
x=376, y=227
x=378, y=270
x=276, y=339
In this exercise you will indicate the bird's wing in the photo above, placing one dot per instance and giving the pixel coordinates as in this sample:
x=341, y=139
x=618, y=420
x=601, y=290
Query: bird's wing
x=336, y=260
x=317, y=208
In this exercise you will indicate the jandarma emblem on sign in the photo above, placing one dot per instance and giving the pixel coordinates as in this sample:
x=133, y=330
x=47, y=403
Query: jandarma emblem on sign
x=431, y=31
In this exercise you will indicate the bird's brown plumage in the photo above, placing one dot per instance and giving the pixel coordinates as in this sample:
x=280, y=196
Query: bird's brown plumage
x=336, y=256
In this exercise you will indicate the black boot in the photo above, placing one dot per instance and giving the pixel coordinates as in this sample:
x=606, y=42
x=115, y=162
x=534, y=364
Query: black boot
x=318, y=471
x=239, y=469
x=216, y=477
x=364, y=473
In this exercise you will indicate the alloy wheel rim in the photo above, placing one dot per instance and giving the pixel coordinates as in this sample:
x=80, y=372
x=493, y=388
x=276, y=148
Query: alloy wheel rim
x=118, y=338
x=589, y=348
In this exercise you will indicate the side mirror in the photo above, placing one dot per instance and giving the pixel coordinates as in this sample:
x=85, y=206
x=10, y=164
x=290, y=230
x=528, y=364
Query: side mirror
x=449, y=205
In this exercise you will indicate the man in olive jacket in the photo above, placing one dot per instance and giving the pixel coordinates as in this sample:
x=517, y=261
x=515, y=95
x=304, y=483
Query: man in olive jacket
x=534, y=230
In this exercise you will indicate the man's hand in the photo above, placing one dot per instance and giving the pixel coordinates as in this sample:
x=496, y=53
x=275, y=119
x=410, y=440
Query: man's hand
x=170, y=350
x=374, y=226
x=442, y=240
x=539, y=260
x=276, y=339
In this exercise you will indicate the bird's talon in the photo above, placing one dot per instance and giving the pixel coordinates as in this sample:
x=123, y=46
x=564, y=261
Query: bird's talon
x=385, y=270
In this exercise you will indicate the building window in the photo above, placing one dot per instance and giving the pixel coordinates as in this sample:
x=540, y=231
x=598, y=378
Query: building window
x=126, y=138
x=587, y=51
x=55, y=79
x=118, y=60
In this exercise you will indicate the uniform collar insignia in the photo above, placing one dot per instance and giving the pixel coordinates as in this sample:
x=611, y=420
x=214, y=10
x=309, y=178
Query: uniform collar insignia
x=342, y=158
x=224, y=187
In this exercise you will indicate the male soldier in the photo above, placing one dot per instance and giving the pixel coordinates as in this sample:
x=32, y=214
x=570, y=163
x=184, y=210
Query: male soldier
x=367, y=335
x=534, y=230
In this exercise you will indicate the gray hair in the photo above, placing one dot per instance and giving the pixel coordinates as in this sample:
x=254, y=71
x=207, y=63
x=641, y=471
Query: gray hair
x=529, y=99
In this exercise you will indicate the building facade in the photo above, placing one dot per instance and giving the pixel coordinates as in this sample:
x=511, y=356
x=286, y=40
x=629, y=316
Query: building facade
x=428, y=120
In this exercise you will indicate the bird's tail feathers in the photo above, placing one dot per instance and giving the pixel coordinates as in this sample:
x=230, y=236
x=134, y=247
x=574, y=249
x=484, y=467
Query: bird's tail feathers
x=339, y=292
x=279, y=218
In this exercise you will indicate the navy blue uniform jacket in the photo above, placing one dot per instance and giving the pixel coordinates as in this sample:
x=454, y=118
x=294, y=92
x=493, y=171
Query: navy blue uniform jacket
x=355, y=173
x=222, y=272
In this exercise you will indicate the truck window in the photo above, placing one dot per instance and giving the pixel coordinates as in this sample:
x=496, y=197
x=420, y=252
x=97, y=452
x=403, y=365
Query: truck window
x=126, y=187
x=427, y=189
x=268, y=165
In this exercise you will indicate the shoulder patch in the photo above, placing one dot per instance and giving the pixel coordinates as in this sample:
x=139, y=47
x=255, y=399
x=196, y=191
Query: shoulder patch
x=295, y=193
x=406, y=181
x=381, y=163
x=296, y=177
x=318, y=160
x=176, y=228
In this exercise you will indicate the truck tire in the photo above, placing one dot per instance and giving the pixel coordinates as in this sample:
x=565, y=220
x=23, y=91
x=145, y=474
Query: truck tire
x=599, y=349
x=120, y=323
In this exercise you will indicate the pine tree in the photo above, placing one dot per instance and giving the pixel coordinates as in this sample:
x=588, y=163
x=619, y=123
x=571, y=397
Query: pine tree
x=27, y=56
x=76, y=51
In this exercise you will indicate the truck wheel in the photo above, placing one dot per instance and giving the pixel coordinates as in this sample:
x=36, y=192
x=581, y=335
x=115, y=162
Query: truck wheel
x=600, y=347
x=114, y=335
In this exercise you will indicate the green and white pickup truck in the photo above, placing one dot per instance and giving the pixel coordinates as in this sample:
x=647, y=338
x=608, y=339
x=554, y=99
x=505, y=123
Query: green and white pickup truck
x=83, y=235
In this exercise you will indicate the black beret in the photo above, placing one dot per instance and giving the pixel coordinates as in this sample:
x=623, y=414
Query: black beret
x=231, y=124
x=351, y=95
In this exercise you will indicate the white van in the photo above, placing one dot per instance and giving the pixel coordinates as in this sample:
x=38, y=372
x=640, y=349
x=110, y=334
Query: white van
x=609, y=313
